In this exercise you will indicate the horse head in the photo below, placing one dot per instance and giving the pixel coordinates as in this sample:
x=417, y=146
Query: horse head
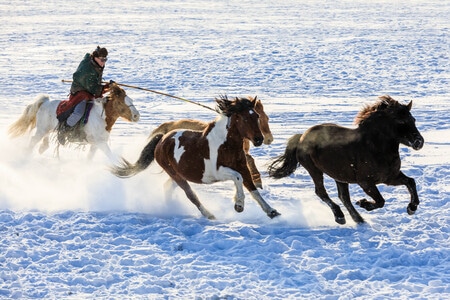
x=396, y=117
x=263, y=121
x=119, y=105
x=242, y=118
x=406, y=127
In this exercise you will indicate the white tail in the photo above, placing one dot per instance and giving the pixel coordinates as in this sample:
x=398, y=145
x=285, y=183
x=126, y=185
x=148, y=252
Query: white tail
x=27, y=121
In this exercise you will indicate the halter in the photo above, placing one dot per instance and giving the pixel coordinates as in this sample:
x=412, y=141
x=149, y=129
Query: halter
x=106, y=99
x=228, y=122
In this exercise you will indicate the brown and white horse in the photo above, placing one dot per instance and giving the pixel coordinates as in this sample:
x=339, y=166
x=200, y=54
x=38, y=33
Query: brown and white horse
x=42, y=115
x=200, y=125
x=208, y=156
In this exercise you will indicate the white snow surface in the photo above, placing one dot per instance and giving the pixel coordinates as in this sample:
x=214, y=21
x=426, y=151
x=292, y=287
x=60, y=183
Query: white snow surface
x=71, y=230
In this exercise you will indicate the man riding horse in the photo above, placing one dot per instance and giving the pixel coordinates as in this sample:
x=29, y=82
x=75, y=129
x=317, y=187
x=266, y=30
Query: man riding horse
x=86, y=85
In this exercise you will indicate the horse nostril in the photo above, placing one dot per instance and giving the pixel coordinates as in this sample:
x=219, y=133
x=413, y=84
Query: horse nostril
x=257, y=141
x=268, y=140
x=418, y=144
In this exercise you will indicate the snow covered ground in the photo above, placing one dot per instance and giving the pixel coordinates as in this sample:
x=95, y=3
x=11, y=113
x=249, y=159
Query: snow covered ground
x=71, y=230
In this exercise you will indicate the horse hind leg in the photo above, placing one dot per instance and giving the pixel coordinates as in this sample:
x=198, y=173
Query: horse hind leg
x=44, y=145
x=39, y=135
x=344, y=195
x=317, y=177
x=337, y=212
x=169, y=187
x=183, y=184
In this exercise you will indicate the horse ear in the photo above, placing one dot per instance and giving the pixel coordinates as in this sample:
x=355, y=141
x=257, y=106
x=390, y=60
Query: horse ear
x=409, y=105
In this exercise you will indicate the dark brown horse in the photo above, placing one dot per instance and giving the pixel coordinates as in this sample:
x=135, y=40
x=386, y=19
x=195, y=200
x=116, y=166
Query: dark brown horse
x=367, y=155
x=208, y=156
x=200, y=125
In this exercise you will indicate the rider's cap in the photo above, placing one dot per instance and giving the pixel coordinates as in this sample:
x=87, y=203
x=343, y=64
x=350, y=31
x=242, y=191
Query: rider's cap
x=100, y=52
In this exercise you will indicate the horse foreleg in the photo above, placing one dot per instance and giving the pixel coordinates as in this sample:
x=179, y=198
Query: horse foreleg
x=105, y=149
x=256, y=176
x=271, y=212
x=236, y=177
x=410, y=183
x=92, y=151
x=371, y=190
x=250, y=186
x=344, y=195
x=182, y=183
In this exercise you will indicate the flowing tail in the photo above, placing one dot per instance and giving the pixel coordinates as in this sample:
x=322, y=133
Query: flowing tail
x=27, y=120
x=126, y=169
x=284, y=165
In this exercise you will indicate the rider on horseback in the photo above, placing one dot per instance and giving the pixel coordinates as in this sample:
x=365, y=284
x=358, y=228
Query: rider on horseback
x=86, y=85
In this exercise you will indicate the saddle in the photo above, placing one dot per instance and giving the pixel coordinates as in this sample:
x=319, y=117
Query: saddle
x=75, y=134
x=66, y=107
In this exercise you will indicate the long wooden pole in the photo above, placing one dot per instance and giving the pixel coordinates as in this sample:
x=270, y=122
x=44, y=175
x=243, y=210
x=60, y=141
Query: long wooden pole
x=156, y=92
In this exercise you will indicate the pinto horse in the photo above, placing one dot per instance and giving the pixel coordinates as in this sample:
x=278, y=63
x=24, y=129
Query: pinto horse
x=208, y=156
x=200, y=125
x=104, y=113
x=367, y=155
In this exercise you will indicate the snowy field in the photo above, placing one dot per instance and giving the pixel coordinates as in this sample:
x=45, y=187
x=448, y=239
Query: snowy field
x=71, y=230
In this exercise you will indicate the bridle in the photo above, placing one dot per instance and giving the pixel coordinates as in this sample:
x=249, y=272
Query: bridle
x=106, y=99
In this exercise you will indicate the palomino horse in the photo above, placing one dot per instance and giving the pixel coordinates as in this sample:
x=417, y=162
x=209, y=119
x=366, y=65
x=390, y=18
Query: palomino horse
x=200, y=125
x=367, y=155
x=104, y=113
x=214, y=154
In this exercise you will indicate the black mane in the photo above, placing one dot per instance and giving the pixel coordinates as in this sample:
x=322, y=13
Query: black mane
x=228, y=107
x=386, y=104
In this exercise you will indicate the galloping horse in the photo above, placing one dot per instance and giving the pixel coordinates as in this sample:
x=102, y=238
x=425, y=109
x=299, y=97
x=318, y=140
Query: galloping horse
x=208, y=156
x=367, y=155
x=104, y=113
x=200, y=125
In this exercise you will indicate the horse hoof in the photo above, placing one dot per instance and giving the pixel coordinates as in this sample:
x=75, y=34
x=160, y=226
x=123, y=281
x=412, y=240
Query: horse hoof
x=410, y=210
x=359, y=221
x=259, y=185
x=362, y=202
x=340, y=220
x=238, y=208
x=273, y=214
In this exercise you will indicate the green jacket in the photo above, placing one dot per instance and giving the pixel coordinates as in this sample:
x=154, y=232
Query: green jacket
x=88, y=77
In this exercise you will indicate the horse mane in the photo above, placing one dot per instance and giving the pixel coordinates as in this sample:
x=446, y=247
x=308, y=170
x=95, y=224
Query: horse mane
x=385, y=102
x=116, y=91
x=228, y=107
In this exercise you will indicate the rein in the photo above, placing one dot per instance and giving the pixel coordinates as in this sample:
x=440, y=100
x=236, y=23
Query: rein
x=104, y=101
x=157, y=92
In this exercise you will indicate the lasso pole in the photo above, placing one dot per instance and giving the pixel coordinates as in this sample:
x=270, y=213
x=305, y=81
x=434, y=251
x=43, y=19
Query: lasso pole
x=156, y=92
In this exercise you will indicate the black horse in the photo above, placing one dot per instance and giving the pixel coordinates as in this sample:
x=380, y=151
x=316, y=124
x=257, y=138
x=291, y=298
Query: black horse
x=367, y=155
